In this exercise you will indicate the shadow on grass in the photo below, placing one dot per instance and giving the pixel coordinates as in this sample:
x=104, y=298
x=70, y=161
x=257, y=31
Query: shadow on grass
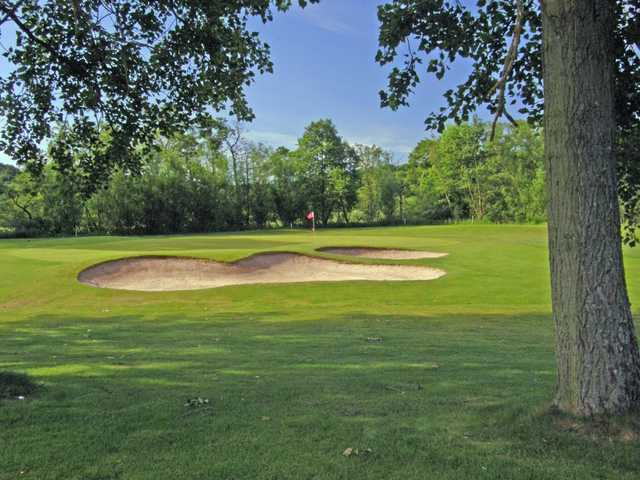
x=445, y=397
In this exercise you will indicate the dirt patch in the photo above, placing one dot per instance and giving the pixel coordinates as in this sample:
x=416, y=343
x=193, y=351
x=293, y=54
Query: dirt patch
x=174, y=273
x=382, y=253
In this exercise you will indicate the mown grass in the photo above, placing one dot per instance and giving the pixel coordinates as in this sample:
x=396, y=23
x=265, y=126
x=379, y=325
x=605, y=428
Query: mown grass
x=16, y=385
x=459, y=386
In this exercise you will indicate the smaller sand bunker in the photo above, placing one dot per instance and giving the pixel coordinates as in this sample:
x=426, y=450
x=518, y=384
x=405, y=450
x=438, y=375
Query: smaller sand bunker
x=382, y=253
x=174, y=273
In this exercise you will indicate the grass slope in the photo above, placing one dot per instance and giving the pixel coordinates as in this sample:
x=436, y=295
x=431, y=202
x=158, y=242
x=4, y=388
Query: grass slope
x=457, y=388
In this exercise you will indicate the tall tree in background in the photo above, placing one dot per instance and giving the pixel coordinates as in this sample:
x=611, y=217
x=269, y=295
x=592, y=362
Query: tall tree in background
x=134, y=67
x=518, y=183
x=287, y=187
x=460, y=167
x=328, y=167
x=237, y=149
x=187, y=184
x=257, y=180
x=591, y=93
x=371, y=160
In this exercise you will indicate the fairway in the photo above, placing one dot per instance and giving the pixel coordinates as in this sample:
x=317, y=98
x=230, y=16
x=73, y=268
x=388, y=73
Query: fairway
x=448, y=378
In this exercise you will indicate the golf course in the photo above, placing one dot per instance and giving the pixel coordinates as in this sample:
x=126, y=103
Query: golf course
x=449, y=378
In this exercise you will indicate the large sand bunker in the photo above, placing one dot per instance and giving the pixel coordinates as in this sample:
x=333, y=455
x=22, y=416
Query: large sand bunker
x=382, y=253
x=174, y=273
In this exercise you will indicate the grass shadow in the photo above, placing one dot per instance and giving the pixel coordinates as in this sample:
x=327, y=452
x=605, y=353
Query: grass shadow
x=432, y=397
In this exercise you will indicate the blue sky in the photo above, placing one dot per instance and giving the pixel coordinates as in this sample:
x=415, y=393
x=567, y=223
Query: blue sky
x=324, y=68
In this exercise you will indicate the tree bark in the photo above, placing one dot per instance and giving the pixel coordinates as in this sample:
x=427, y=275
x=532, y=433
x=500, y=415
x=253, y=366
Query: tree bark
x=598, y=367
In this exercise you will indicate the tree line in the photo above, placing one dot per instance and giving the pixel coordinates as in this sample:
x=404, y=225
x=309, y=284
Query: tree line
x=214, y=179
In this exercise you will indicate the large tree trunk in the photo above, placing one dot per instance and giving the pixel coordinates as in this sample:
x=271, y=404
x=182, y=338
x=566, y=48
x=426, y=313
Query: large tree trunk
x=596, y=349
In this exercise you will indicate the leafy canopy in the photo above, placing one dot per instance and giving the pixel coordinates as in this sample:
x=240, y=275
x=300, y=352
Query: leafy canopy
x=134, y=68
x=328, y=164
x=500, y=44
x=430, y=36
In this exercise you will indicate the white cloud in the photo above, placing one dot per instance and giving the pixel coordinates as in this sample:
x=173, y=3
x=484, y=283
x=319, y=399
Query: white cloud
x=320, y=17
x=393, y=145
x=387, y=141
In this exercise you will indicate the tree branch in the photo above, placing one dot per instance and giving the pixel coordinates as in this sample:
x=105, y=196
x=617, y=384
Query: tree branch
x=21, y=207
x=509, y=61
x=14, y=9
x=510, y=118
x=10, y=13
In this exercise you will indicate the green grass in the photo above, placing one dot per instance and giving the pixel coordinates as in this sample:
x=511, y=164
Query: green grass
x=16, y=385
x=458, y=388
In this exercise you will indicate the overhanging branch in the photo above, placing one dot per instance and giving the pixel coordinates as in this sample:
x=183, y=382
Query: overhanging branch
x=509, y=61
x=11, y=13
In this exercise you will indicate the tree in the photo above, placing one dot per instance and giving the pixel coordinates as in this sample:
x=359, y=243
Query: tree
x=259, y=202
x=427, y=199
x=628, y=152
x=371, y=159
x=460, y=166
x=600, y=370
x=118, y=208
x=517, y=180
x=422, y=154
x=183, y=187
x=138, y=67
x=23, y=203
x=62, y=210
x=464, y=174
x=237, y=149
x=591, y=93
x=328, y=167
x=343, y=182
x=390, y=189
x=287, y=186
x=7, y=173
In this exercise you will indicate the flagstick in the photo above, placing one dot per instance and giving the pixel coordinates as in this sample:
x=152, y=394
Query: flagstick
x=313, y=222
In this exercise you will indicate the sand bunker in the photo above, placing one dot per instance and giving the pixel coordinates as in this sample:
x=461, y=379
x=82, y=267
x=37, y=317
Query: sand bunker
x=382, y=253
x=173, y=273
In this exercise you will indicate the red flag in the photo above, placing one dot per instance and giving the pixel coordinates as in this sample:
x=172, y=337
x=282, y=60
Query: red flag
x=310, y=216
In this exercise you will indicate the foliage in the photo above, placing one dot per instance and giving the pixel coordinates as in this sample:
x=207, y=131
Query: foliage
x=461, y=169
x=287, y=185
x=464, y=174
x=213, y=179
x=7, y=173
x=434, y=37
x=371, y=158
x=444, y=33
x=628, y=153
x=260, y=201
x=22, y=205
x=517, y=160
x=183, y=188
x=133, y=67
x=328, y=169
